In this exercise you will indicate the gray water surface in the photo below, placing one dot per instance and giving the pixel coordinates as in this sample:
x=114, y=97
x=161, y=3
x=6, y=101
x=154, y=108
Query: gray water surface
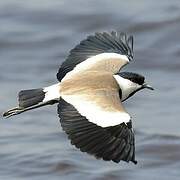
x=35, y=38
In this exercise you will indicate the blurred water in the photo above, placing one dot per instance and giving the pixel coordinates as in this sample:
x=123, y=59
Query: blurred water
x=36, y=36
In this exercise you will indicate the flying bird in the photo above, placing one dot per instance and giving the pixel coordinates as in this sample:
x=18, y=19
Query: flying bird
x=90, y=93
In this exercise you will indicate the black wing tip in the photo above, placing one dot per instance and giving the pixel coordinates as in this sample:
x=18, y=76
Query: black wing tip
x=99, y=42
x=112, y=40
x=135, y=162
x=110, y=144
x=117, y=161
x=123, y=37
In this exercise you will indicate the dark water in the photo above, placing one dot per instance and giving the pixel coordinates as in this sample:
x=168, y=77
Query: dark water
x=35, y=37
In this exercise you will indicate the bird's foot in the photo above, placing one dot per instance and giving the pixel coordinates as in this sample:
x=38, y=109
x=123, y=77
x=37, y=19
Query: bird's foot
x=12, y=112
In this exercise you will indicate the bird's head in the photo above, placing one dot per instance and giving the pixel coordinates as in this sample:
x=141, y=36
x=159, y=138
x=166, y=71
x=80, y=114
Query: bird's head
x=130, y=83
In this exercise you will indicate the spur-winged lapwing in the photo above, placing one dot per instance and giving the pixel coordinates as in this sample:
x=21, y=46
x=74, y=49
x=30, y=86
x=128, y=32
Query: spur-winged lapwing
x=89, y=94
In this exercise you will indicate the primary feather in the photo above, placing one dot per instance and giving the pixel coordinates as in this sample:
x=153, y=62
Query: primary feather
x=114, y=42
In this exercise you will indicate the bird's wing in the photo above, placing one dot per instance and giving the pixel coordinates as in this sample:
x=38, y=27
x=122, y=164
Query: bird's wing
x=102, y=51
x=91, y=113
x=114, y=143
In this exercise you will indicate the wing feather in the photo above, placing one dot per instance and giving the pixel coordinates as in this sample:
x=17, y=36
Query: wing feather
x=100, y=43
x=110, y=143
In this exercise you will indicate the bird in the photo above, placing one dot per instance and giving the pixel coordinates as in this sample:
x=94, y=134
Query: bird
x=90, y=95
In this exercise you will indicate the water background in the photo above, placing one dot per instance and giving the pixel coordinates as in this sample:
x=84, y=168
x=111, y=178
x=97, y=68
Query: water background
x=36, y=36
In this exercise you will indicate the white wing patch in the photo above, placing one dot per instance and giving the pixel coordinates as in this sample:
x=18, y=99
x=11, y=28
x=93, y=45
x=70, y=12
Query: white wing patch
x=110, y=62
x=95, y=113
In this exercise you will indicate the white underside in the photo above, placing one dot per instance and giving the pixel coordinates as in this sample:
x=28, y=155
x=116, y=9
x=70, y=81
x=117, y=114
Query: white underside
x=95, y=113
x=91, y=63
x=51, y=92
x=100, y=57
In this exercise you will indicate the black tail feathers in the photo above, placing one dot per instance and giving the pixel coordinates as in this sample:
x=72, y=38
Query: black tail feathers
x=30, y=97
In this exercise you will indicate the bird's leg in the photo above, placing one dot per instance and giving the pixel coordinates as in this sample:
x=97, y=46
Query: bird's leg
x=13, y=111
x=19, y=110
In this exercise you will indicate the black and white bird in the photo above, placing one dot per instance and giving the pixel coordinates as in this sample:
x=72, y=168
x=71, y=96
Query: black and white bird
x=90, y=93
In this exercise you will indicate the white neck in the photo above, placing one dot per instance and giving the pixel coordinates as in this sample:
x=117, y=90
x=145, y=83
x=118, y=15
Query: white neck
x=127, y=87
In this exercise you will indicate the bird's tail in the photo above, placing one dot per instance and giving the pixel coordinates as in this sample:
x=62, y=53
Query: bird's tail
x=30, y=97
x=34, y=98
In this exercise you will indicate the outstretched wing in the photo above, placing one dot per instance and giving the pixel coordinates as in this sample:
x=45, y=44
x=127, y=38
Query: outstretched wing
x=92, y=115
x=105, y=51
x=114, y=143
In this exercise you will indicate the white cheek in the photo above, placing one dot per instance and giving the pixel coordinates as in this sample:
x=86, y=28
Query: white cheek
x=127, y=86
x=126, y=91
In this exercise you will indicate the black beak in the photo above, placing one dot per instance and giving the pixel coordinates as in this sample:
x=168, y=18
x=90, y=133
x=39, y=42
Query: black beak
x=145, y=85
